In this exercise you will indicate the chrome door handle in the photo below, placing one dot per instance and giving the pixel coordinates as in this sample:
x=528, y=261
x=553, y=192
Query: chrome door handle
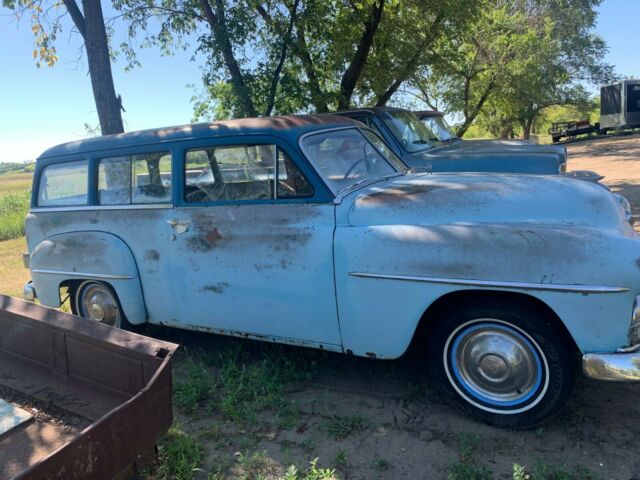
x=179, y=226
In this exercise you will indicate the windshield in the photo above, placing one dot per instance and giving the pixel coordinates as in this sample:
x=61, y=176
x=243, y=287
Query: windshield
x=411, y=132
x=346, y=158
x=440, y=128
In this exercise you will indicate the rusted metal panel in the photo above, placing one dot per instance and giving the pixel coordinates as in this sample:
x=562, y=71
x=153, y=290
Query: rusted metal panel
x=118, y=381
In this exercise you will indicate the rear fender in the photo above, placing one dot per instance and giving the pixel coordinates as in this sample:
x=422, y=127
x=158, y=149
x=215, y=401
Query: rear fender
x=97, y=256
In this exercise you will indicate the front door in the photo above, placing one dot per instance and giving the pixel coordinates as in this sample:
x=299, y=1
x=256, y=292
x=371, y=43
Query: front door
x=253, y=251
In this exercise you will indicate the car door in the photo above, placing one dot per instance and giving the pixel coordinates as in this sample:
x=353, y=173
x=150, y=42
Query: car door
x=253, y=249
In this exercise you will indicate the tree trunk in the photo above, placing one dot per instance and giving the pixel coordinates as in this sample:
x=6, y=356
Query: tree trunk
x=218, y=25
x=317, y=97
x=469, y=117
x=352, y=73
x=526, y=128
x=91, y=27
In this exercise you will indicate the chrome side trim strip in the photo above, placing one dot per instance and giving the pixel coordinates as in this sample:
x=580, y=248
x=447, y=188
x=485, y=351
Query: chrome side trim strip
x=83, y=208
x=554, y=287
x=83, y=274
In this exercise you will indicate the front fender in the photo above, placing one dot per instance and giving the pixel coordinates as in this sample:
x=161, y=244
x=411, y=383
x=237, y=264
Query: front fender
x=87, y=256
x=407, y=268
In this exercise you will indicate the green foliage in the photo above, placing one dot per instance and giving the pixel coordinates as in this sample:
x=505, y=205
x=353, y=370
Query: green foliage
x=467, y=466
x=193, y=388
x=179, y=455
x=543, y=471
x=7, y=167
x=515, y=60
x=238, y=385
x=291, y=56
x=339, y=426
x=13, y=210
x=311, y=473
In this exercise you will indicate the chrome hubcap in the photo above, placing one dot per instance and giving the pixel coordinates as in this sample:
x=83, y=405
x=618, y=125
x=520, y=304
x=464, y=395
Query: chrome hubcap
x=97, y=303
x=496, y=364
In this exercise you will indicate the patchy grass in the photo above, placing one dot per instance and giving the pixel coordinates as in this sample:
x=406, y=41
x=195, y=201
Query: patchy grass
x=340, y=427
x=179, y=455
x=381, y=464
x=543, y=471
x=467, y=466
x=13, y=275
x=193, y=387
x=238, y=385
x=15, y=183
x=13, y=209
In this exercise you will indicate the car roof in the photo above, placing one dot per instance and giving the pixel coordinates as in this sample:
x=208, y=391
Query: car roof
x=368, y=111
x=428, y=113
x=290, y=126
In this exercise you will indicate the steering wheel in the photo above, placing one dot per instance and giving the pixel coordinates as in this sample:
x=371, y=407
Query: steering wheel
x=352, y=167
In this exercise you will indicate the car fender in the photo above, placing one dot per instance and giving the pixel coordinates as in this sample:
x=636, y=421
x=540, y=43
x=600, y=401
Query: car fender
x=91, y=255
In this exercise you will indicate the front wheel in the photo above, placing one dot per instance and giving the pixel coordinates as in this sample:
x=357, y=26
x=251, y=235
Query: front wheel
x=507, y=367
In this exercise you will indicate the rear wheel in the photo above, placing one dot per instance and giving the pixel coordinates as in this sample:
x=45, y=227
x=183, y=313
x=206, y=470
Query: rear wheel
x=507, y=366
x=98, y=302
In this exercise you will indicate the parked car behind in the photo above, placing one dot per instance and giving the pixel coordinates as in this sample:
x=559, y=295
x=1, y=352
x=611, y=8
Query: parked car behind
x=311, y=231
x=421, y=146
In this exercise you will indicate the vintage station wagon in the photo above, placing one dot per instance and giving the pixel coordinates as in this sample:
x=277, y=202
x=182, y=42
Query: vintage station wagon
x=310, y=231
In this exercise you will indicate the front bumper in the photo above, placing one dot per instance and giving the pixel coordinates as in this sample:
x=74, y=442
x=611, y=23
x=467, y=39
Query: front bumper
x=623, y=366
x=29, y=292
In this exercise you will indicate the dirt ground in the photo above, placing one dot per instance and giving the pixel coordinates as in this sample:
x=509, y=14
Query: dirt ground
x=617, y=158
x=381, y=420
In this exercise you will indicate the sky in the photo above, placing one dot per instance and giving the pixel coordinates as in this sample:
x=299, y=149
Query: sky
x=41, y=107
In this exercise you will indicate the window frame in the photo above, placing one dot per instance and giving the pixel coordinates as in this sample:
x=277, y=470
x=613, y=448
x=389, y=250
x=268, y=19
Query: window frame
x=35, y=194
x=321, y=192
x=339, y=194
x=130, y=154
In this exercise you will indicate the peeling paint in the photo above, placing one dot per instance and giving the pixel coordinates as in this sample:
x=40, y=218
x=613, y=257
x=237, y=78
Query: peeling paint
x=219, y=287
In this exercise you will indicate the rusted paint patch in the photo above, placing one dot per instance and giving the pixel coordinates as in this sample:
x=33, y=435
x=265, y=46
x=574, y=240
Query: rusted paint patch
x=213, y=237
x=152, y=255
x=400, y=192
x=219, y=287
x=205, y=242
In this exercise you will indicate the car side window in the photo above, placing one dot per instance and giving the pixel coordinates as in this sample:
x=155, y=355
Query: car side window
x=64, y=184
x=241, y=173
x=135, y=179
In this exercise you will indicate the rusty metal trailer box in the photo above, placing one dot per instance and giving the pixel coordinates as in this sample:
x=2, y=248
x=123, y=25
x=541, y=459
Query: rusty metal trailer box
x=113, y=386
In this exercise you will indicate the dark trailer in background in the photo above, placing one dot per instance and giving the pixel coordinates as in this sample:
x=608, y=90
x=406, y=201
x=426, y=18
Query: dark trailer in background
x=620, y=105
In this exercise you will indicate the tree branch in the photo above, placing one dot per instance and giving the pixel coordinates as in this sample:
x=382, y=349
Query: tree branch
x=352, y=73
x=283, y=56
x=76, y=16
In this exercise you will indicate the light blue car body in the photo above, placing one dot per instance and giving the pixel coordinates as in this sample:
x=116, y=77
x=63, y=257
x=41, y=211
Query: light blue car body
x=357, y=271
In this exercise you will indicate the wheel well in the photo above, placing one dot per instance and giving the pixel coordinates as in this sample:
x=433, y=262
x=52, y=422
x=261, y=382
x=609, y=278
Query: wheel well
x=437, y=310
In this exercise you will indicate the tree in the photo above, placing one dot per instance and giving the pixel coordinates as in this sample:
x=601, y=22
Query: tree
x=89, y=22
x=288, y=56
x=518, y=58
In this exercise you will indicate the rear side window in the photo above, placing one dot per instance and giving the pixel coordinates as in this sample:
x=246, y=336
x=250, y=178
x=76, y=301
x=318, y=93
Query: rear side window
x=64, y=184
x=135, y=179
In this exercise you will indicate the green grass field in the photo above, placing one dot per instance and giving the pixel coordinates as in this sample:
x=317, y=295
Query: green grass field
x=14, y=203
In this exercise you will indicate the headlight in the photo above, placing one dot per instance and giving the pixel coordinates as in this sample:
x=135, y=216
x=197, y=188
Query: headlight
x=634, y=331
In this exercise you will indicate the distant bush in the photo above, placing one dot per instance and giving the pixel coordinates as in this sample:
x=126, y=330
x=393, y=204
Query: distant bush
x=13, y=209
x=6, y=167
